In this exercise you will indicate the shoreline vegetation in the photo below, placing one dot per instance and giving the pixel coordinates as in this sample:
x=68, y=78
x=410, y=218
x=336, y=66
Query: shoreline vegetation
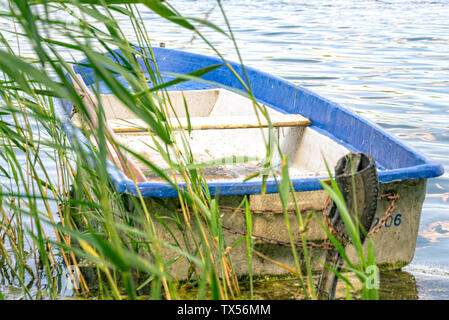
x=64, y=230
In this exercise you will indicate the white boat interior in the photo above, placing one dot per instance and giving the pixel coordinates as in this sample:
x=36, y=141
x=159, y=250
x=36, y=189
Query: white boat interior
x=227, y=134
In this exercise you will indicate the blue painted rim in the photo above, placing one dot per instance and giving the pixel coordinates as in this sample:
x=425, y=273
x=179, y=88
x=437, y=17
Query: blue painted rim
x=396, y=160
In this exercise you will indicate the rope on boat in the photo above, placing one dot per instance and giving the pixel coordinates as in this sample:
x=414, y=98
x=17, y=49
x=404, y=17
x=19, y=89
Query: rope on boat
x=390, y=196
x=325, y=245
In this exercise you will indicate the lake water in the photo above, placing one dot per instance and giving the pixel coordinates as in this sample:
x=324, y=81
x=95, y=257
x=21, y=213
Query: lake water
x=388, y=60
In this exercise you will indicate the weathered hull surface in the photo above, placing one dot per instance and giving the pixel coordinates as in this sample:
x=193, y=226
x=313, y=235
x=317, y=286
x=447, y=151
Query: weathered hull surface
x=394, y=242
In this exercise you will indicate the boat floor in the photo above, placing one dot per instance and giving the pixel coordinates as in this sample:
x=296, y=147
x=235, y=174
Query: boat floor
x=235, y=172
x=222, y=127
x=216, y=173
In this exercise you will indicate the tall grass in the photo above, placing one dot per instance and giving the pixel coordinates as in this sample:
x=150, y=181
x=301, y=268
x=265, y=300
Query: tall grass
x=64, y=229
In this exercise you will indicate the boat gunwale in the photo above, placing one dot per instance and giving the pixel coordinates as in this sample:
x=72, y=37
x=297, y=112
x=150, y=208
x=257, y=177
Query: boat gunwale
x=423, y=169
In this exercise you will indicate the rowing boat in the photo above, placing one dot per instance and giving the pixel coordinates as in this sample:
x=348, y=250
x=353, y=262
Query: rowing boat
x=225, y=132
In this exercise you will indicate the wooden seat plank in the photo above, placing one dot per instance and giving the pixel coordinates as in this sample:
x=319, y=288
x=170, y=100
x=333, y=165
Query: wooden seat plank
x=208, y=123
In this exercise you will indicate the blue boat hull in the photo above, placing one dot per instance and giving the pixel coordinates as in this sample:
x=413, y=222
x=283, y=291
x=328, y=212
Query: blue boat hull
x=396, y=161
x=401, y=169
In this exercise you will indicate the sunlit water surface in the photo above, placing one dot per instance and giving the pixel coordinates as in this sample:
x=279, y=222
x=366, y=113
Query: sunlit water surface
x=388, y=60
